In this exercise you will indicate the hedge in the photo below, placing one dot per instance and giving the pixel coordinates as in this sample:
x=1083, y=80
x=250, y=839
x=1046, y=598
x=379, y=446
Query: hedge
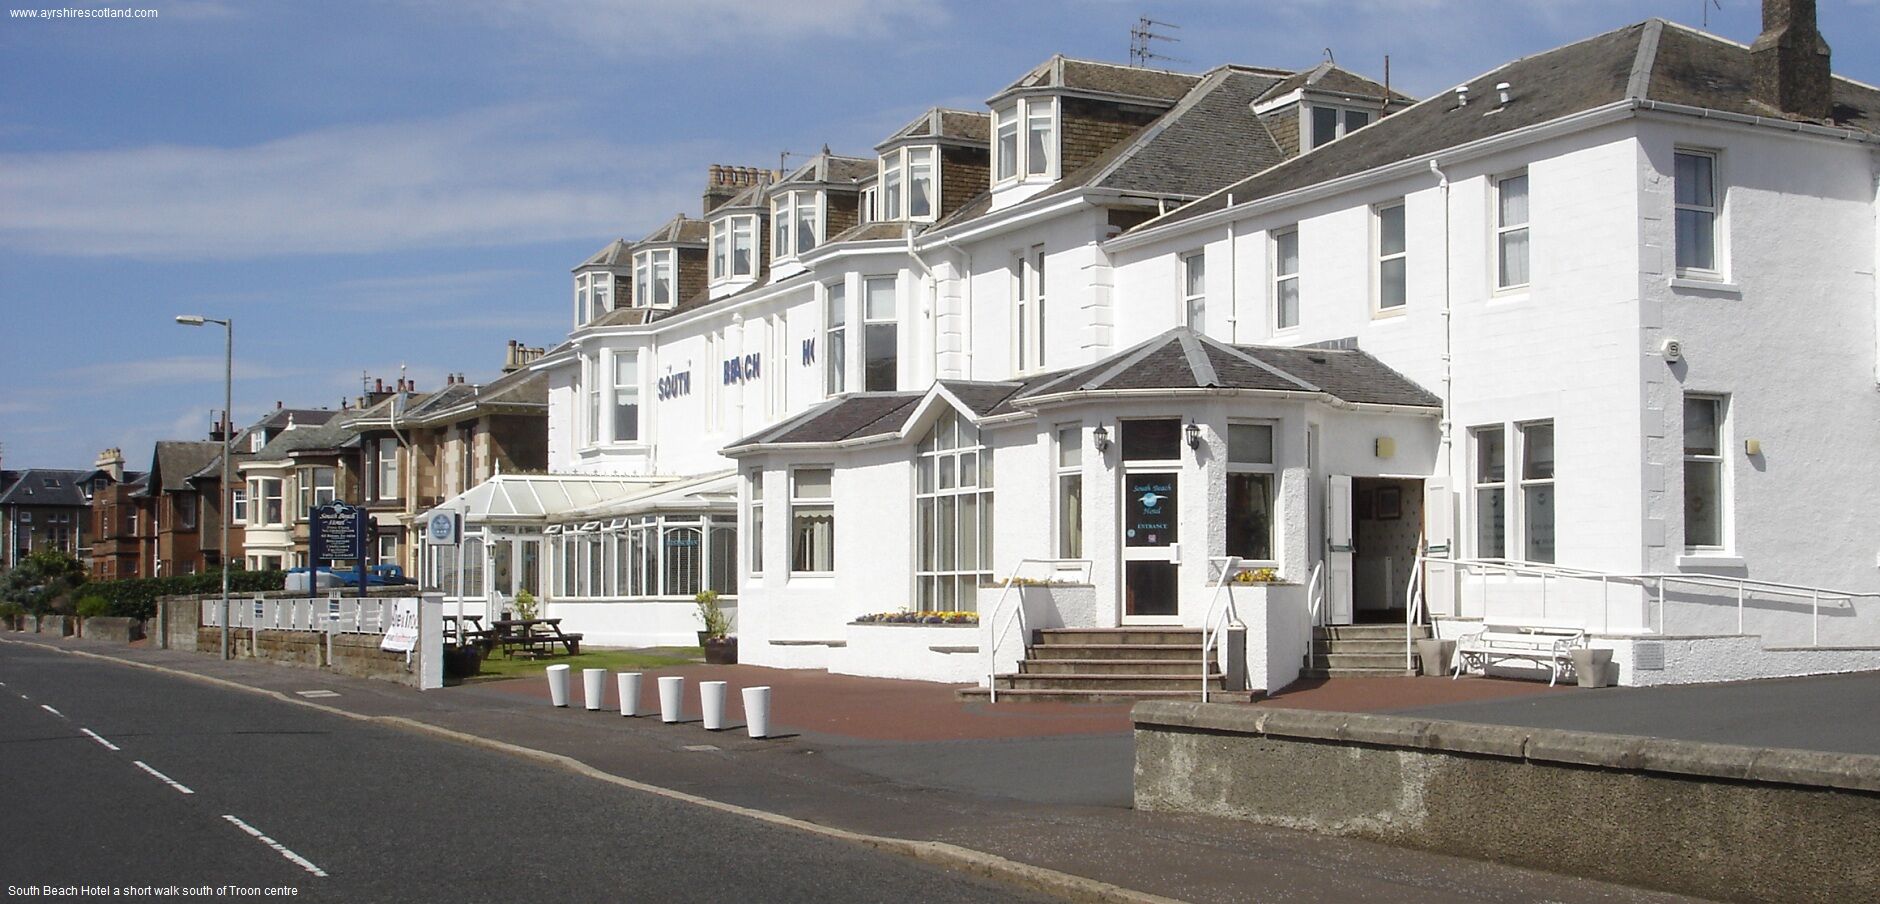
x=137, y=597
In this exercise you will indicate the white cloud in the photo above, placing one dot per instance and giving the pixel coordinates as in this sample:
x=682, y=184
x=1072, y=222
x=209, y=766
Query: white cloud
x=145, y=373
x=642, y=27
x=490, y=177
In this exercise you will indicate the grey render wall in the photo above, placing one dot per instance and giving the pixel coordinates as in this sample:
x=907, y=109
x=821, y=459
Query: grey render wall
x=1723, y=822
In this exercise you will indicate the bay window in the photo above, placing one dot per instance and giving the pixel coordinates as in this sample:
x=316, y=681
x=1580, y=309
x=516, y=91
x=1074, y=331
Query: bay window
x=316, y=489
x=865, y=210
x=812, y=521
x=891, y=187
x=797, y=216
x=1250, y=477
x=653, y=278
x=910, y=175
x=880, y=335
x=953, y=510
x=733, y=247
x=626, y=396
x=835, y=338
x=591, y=378
x=1036, y=156
x=387, y=471
x=268, y=503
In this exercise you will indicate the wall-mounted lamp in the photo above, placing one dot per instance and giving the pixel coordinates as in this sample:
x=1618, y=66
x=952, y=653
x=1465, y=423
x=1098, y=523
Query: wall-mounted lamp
x=1386, y=447
x=1100, y=438
x=1194, y=435
x=1752, y=447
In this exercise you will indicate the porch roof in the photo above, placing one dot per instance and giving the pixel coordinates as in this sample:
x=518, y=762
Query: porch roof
x=711, y=493
x=537, y=498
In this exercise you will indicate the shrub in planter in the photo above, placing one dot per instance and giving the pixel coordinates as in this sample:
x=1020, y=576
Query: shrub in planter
x=13, y=616
x=92, y=605
x=526, y=605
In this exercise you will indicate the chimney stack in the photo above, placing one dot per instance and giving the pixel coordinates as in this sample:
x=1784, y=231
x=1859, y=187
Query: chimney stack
x=111, y=461
x=518, y=356
x=722, y=183
x=1789, y=62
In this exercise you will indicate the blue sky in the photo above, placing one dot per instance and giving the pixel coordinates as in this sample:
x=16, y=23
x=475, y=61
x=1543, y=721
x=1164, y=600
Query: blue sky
x=368, y=185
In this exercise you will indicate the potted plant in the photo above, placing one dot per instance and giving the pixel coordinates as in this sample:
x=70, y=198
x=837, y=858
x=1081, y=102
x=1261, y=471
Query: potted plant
x=720, y=648
x=526, y=605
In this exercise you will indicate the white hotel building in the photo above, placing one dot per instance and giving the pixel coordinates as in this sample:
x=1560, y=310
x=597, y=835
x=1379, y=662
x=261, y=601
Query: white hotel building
x=1589, y=340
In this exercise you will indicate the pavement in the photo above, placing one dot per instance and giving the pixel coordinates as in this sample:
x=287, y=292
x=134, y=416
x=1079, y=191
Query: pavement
x=1036, y=794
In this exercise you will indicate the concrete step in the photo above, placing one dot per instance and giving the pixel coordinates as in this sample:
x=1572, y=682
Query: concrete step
x=1359, y=646
x=1368, y=632
x=980, y=694
x=1190, y=667
x=1056, y=636
x=1178, y=651
x=1397, y=672
x=1125, y=683
x=1337, y=661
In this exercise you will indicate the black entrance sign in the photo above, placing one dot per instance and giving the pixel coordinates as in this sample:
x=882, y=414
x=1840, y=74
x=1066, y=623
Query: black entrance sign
x=1149, y=509
x=337, y=530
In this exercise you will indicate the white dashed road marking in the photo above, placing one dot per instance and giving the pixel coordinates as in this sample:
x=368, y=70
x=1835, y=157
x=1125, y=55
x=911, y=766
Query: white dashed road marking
x=94, y=736
x=298, y=860
x=51, y=710
x=163, y=778
x=317, y=693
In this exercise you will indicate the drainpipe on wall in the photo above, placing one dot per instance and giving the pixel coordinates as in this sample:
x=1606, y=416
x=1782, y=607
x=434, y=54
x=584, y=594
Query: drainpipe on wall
x=931, y=301
x=1233, y=280
x=1444, y=449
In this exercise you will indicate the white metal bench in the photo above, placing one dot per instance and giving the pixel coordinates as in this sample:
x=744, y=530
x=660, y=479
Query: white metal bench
x=1547, y=645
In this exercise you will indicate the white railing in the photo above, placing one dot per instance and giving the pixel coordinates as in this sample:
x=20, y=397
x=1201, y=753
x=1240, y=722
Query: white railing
x=1315, y=607
x=1061, y=570
x=1210, y=631
x=1413, y=608
x=335, y=614
x=1652, y=584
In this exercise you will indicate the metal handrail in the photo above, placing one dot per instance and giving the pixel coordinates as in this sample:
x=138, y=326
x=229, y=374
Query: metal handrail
x=1209, y=632
x=1655, y=582
x=1413, y=607
x=1018, y=616
x=1315, y=602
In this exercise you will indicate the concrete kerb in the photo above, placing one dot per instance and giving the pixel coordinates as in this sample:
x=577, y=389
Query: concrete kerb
x=939, y=853
x=1805, y=768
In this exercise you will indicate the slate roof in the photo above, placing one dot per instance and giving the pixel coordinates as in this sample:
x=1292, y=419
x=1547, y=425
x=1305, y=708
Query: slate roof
x=622, y=317
x=1094, y=76
x=46, y=486
x=175, y=461
x=1651, y=60
x=618, y=253
x=886, y=230
x=942, y=124
x=680, y=230
x=831, y=169
x=849, y=417
x=1184, y=359
x=1328, y=77
x=279, y=418
x=327, y=437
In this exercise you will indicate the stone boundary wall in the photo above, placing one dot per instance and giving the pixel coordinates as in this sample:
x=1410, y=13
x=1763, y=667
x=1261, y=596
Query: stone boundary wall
x=353, y=654
x=1714, y=820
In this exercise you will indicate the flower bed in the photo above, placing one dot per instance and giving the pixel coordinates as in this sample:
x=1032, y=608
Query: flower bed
x=919, y=618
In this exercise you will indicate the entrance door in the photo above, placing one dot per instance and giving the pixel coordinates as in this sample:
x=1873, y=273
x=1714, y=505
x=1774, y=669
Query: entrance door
x=1151, y=509
x=1338, y=548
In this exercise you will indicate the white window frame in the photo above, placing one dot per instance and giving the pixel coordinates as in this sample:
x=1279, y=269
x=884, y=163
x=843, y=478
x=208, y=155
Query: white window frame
x=811, y=504
x=1504, y=231
x=1523, y=539
x=754, y=507
x=1021, y=116
x=897, y=173
x=1194, y=293
x=865, y=206
x=951, y=464
x=1067, y=466
x=1715, y=211
x=726, y=235
x=385, y=470
x=238, y=506
x=647, y=266
x=1726, y=509
x=1480, y=483
x=870, y=319
x=616, y=388
x=582, y=310
x=1028, y=311
x=835, y=338
x=1281, y=279
x=1308, y=133
x=313, y=495
x=1380, y=259
x=263, y=499
x=1271, y=469
x=593, y=376
x=786, y=219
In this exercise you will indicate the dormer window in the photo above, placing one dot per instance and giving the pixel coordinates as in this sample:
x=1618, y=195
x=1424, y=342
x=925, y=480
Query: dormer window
x=1036, y=156
x=798, y=219
x=1331, y=123
x=592, y=294
x=909, y=175
x=734, y=247
x=865, y=212
x=652, y=272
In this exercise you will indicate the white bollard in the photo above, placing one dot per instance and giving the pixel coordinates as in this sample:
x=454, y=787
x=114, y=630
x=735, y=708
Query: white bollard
x=711, y=704
x=671, y=697
x=593, y=686
x=558, y=685
x=629, y=693
x=757, y=711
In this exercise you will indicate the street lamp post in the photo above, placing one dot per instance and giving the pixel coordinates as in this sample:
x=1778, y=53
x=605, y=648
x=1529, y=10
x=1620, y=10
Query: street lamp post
x=228, y=442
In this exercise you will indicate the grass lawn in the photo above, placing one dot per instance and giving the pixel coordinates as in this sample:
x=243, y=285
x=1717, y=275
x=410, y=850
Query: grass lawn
x=591, y=658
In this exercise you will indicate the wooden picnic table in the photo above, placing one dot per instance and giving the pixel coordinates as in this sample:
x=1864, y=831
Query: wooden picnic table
x=536, y=636
x=473, y=634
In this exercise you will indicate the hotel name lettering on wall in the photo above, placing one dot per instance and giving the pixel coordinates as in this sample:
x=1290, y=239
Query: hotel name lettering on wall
x=809, y=352
x=672, y=386
x=737, y=370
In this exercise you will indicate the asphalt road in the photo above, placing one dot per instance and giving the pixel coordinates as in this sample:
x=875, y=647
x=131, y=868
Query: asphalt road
x=211, y=788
